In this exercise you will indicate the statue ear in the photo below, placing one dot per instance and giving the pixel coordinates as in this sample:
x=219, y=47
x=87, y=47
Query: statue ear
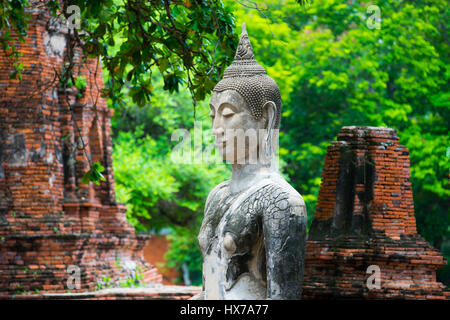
x=270, y=109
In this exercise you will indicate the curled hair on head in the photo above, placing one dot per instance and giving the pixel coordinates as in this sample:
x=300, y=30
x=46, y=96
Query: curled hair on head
x=250, y=80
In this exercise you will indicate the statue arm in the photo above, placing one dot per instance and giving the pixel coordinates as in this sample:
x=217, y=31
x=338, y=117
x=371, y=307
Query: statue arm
x=205, y=231
x=284, y=225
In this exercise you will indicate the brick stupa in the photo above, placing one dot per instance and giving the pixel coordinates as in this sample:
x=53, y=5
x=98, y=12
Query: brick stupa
x=49, y=220
x=365, y=216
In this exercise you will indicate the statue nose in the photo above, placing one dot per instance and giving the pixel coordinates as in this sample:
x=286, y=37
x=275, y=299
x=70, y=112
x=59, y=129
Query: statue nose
x=217, y=130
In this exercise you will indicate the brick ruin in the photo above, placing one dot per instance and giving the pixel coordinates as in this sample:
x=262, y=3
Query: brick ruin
x=364, y=217
x=49, y=220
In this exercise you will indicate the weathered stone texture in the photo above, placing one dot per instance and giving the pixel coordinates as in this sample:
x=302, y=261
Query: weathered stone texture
x=365, y=216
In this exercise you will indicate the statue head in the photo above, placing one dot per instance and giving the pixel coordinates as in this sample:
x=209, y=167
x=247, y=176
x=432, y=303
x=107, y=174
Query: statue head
x=245, y=102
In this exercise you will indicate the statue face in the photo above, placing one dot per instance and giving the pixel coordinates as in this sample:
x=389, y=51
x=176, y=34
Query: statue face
x=236, y=131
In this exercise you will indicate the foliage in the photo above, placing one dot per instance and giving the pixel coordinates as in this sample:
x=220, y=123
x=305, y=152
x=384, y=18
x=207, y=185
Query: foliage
x=80, y=83
x=13, y=18
x=94, y=174
x=185, y=40
x=148, y=180
x=13, y=26
x=133, y=280
x=184, y=249
x=188, y=41
x=105, y=282
x=159, y=192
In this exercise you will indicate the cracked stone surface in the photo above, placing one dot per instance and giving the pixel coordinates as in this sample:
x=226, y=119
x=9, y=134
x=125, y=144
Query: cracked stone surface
x=253, y=242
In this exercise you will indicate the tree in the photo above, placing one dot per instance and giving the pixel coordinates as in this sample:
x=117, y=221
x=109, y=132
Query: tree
x=190, y=41
x=161, y=193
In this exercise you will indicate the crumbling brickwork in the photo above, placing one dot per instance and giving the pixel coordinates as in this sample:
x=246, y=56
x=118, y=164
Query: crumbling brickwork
x=364, y=217
x=49, y=220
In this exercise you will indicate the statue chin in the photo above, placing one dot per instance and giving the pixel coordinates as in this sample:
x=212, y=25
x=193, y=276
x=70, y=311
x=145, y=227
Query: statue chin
x=232, y=158
x=253, y=232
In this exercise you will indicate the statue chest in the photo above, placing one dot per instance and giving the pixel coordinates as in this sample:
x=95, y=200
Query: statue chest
x=233, y=225
x=232, y=243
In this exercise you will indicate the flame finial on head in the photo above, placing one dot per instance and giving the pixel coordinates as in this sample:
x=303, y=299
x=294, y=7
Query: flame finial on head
x=244, y=50
x=244, y=64
x=250, y=80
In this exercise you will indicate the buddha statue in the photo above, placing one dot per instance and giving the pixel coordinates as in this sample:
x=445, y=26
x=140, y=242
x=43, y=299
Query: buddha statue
x=253, y=232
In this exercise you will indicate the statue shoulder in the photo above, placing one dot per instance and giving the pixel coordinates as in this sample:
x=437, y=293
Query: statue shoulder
x=282, y=197
x=217, y=190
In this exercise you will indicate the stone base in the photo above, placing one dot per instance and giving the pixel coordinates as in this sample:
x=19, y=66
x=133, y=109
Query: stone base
x=337, y=269
x=156, y=293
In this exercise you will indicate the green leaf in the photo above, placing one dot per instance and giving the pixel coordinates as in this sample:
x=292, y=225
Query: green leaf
x=94, y=174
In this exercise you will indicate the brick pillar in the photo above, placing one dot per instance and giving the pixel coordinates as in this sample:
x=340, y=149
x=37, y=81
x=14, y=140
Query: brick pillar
x=49, y=220
x=364, y=217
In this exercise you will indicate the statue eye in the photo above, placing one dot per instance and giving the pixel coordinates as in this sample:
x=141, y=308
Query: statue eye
x=211, y=114
x=227, y=112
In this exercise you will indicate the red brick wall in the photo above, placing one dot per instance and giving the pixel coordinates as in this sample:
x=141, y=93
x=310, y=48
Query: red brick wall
x=365, y=216
x=48, y=218
x=154, y=252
